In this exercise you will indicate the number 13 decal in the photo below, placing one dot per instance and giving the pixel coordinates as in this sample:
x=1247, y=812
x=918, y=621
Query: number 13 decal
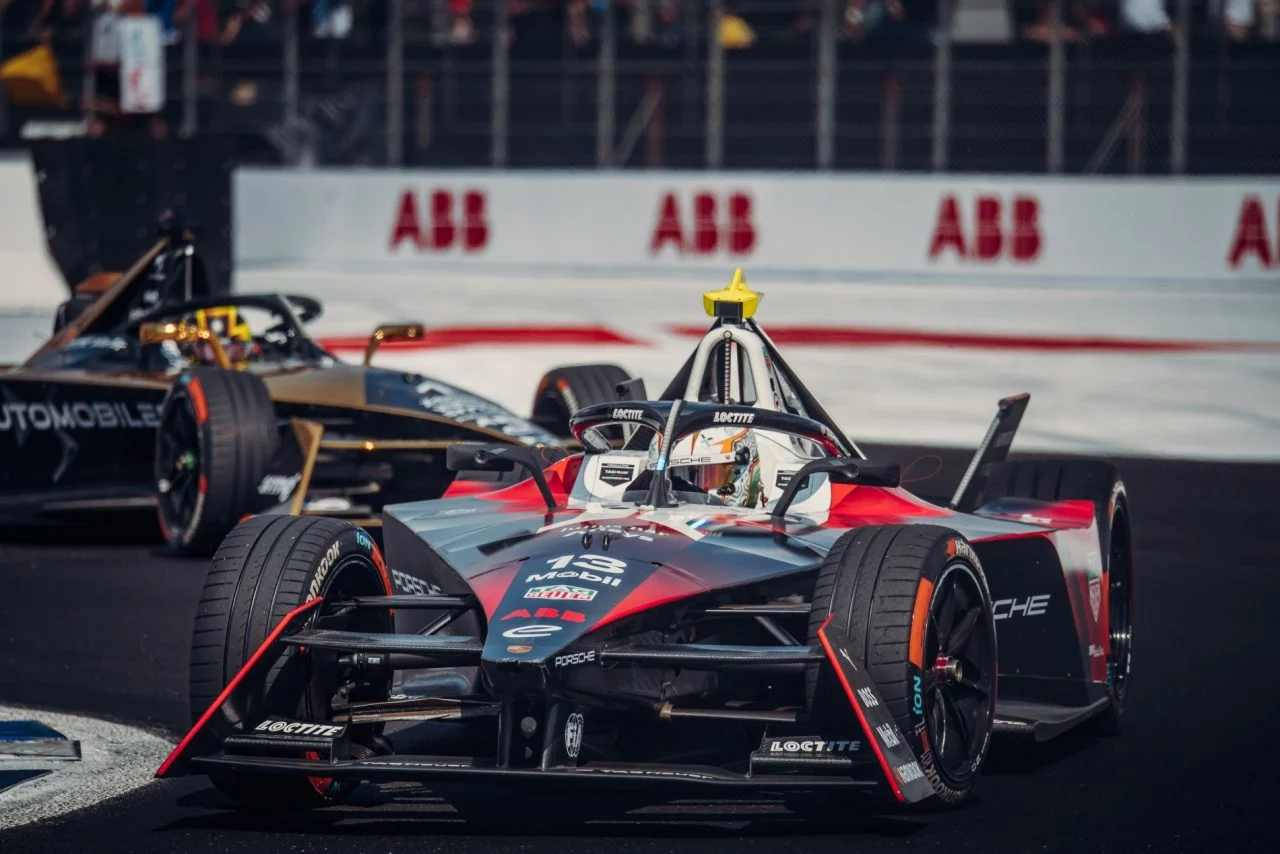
x=594, y=563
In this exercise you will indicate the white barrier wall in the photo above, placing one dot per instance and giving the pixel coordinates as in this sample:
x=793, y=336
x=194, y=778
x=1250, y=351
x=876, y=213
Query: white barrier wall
x=918, y=226
x=28, y=276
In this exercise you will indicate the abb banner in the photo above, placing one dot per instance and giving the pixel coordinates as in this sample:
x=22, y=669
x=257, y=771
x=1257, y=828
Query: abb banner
x=1022, y=228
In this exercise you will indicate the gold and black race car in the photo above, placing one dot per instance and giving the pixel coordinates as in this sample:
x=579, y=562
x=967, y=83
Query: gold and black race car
x=152, y=391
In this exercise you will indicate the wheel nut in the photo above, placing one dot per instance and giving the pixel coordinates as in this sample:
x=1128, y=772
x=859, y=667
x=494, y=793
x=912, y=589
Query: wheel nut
x=948, y=669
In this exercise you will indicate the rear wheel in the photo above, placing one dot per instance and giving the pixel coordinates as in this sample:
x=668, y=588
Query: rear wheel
x=265, y=568
x=216, y=438
x=563, y=391
x=914, y=601
x=1098, y=482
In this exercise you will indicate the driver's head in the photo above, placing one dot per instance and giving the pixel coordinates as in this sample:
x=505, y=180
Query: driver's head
x=723, y=462
x=230, y=327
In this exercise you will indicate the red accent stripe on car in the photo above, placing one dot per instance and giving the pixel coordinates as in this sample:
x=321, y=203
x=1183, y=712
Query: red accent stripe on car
x=919, y=620
x=464, y=336
x=666, y=585
x=235, y=680
x=201, y=408
x=857, y=709
x=828, y=336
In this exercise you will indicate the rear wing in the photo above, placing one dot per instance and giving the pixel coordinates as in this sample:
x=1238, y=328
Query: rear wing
x=992, y=451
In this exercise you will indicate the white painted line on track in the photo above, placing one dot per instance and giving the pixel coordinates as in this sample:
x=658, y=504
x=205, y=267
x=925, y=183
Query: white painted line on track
x=115, y=760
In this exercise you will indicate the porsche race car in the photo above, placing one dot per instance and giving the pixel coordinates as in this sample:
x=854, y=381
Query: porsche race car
x=730, y=597
x=155, y=392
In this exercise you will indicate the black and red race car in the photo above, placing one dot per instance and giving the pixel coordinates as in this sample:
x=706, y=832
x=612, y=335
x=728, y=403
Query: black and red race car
x=719, y=591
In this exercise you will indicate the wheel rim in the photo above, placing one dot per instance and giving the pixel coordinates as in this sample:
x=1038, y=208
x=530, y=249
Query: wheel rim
x=1120, y=627
x=179, y=468
x=959, y=673
x=354, y=576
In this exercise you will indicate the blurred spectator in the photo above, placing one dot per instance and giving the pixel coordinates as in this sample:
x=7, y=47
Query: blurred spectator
x=252, y=22
x=462, y=30
x=104, y=113
x=331, y=19
x=576, y=19
x=1083, y=21
x=1145, y=17
x=171, y=13
x=1235, y=17
x=888, y=20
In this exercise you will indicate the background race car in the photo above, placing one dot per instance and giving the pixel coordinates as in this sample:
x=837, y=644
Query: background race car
x=214, y=407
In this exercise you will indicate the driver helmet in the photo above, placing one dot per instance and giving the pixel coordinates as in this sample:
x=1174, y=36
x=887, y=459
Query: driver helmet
x=230, y=327
x=723, y=462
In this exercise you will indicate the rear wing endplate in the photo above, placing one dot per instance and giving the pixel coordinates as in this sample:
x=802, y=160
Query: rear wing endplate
x=991, y=452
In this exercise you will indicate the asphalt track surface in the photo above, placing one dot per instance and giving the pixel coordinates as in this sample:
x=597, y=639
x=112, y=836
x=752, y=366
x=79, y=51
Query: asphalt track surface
x=100, y=623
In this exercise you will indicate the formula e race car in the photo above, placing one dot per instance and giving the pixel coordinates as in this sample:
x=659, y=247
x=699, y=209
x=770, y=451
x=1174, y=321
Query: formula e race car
x=153, y=391
x=728, y=596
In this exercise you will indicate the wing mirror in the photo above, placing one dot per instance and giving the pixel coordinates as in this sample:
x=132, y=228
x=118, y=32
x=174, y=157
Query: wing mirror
x=155, y=333
x=841, y=470
x=484, y=456
x=392, y=332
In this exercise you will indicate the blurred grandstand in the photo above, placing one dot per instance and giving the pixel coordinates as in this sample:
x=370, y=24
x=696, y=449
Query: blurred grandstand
x=1071, y=86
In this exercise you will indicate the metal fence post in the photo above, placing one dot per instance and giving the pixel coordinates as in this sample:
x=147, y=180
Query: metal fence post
x=715, y=88
x=499, y=88
x=1055, y=141
x=291, y=64
x=942, y=88
x=1181, y=75
x=395, y=83
x=190, y=75
x=606, y=87
x=826, y=94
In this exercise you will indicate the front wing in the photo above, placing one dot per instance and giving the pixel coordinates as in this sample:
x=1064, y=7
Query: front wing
x=221, y=741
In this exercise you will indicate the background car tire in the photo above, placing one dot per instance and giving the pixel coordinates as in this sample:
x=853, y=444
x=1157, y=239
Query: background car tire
x=225, y=424
x=868, y=586
x=265, y=568
x=563, y=391
x=1099, y=482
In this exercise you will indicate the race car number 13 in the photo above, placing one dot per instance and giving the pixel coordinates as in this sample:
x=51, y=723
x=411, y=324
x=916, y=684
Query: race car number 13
x=594, y=563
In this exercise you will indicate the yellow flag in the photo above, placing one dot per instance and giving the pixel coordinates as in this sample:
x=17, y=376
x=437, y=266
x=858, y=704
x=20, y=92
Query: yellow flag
x=31, y=79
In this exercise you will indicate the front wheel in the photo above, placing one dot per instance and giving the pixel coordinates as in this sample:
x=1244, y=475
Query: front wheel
x=914, y=602
x=265, y=568
x=215, y=441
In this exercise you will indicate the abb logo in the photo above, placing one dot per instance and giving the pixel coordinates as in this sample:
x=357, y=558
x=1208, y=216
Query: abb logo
x=1252, y=236
x=444, y=220
x=997, y=231
x=547, y=614
x=709, y=224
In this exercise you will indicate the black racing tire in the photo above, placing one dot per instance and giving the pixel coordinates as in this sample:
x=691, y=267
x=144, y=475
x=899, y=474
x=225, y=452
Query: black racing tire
x=217, y=435
x=68, y=311
x=869, y=586
x=265, y=568
x=563, y=391
x=1099, y=482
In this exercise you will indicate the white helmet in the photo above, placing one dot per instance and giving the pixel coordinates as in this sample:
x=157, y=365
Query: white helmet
x=723, y=462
